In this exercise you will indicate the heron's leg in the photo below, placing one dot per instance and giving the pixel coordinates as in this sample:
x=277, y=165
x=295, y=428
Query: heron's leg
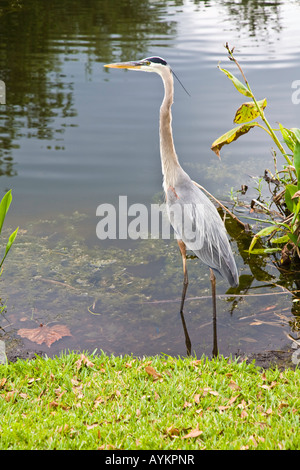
x=182, y=248
x=213, y=292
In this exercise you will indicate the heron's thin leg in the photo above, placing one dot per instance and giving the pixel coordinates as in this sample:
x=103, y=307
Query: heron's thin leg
x=182, y=248
x=184, y=289
x=213, y=292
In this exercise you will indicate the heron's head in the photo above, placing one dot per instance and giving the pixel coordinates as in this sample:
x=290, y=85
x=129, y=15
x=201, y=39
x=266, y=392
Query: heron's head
x=150, y=64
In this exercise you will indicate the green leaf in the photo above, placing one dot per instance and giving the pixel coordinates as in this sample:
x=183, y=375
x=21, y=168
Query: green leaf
x=261, y=251
x=288, y=137
x=248, y=111
x=296, y=211
x=238, y=85
x=283, y=239
x=262, y=233
x=4, y=206
x=231, y=135
x=293, y=237
x=297, y=161
x=9, y=243
x=296, y=133
x=291, y=203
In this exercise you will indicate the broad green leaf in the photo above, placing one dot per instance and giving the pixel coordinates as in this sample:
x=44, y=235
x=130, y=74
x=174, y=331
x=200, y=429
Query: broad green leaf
x=288, y=137
x=248, y=111
x=293, y=237
x=9, y=243
x=238, y=85
x=283, y=239
x=262, y=233
x=231, y=135
x=290, y=191
x=4, y=206
x=260, y=251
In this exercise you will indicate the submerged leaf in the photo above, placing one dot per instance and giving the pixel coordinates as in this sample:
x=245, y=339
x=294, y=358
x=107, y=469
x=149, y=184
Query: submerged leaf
x=248, y=111
x=231, y=135
x=45, y=334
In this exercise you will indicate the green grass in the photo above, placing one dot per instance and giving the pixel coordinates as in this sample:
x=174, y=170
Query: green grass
x=149, y=403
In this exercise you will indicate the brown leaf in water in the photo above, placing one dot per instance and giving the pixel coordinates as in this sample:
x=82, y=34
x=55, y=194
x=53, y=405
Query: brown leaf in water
x=45, y=334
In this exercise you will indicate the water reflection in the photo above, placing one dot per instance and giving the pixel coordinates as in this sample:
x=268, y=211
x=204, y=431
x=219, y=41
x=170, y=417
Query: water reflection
x=38, y=40
x=257, y=18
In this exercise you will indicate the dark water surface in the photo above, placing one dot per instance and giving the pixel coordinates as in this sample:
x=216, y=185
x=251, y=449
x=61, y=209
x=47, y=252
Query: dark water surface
x=74, y=135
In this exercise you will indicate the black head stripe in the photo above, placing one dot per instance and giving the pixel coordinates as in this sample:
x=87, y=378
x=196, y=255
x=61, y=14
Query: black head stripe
x=157, y=60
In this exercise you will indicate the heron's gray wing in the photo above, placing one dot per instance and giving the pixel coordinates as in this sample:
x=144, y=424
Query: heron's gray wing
x=197, y=223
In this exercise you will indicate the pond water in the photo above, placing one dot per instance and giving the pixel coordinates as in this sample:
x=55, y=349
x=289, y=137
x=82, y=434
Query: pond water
x=74, y=135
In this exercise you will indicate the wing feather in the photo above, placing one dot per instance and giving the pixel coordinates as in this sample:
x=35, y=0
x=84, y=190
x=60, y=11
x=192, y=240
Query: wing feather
x=197, y=223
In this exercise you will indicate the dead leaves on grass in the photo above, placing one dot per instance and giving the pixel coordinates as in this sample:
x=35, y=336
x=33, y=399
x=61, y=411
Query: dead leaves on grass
x=84, y=361
x=151, y=371
x=193, y=433
x=201, y=403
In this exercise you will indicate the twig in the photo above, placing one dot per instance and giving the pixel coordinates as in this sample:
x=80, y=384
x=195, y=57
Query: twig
x=222, y=296
x=292, y=338
x=59, y=283
x=259, y=109
x=223, y=207
x=261, y=205
x=231, y=57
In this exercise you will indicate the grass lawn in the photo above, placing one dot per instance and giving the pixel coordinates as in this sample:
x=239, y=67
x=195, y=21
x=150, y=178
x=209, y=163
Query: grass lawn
x=105, y=402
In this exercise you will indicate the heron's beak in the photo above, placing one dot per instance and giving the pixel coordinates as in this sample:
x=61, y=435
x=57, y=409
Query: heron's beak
x=125, y=65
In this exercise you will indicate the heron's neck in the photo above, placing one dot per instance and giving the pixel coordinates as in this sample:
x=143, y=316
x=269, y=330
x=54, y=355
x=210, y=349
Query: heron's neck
x=169, y=160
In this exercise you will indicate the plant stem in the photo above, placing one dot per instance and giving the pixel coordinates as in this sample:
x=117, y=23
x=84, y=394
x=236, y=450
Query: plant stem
x=261, y=112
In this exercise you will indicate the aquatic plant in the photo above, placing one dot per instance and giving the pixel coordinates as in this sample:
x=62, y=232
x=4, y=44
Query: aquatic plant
x=4, y=206
x=283, y=223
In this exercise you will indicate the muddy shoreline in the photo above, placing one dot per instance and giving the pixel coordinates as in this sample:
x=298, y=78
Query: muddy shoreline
x=282, y=359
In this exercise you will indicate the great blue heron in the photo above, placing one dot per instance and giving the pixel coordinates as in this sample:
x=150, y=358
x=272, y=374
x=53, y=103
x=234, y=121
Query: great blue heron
x=195, y=219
